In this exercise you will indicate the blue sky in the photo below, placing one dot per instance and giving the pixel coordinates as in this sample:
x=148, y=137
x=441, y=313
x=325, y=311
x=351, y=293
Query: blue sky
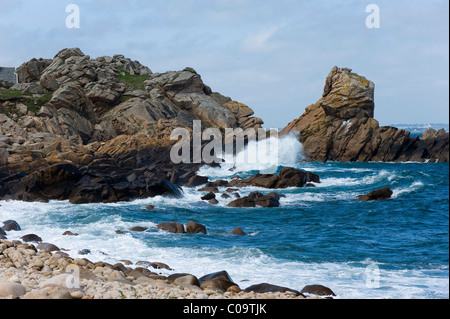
x=271, y=55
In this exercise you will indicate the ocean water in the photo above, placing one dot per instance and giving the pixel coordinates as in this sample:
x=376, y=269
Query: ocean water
x=396, y=248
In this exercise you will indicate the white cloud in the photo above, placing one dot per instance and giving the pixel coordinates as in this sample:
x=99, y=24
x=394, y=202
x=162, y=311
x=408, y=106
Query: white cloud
x=260, y=41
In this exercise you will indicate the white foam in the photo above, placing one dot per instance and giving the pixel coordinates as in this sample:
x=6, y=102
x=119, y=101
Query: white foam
x=97, y=233
x=402, y=190
x=265, y=156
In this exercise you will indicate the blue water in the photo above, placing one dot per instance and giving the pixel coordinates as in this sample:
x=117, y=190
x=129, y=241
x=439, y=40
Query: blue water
x=319, y=235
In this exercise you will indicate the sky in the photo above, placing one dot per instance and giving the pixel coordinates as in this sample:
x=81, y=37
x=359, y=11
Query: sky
x=272, y=55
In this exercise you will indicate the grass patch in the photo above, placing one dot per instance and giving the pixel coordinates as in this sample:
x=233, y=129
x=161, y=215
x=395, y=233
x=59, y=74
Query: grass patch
x=7, y=95
x=137, y=82
x=33, y=103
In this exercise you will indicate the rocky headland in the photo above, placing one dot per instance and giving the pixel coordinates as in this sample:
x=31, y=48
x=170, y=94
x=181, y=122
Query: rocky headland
x=98, y=130
x=340, y=126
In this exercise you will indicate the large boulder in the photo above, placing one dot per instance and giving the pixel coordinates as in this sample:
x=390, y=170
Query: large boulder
x=220, y=279
x=172, y=227
x=195, y=228
x=340, y=126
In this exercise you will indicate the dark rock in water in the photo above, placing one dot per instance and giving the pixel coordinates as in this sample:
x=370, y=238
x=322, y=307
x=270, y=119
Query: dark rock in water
x=213, y=201
x=138, y=228
x=379, y=194
x=340, y=126
x=47, y=246
x=172, y=227
x=195, y=228
x=288, y=177
x=238, y=231
x=162, y=188
x=9, y=225
x=159, y=265
x=317, y=290
x=265, y=287
x=84, y=252
x=257, y=199
x=2, y=232
x=113, y=189
x=150, y=207
x=196, y=181
x=218, y=183
x=69, y=233
x=209, y=196
x=209, y=189
x=31, y=238
x=2, y=237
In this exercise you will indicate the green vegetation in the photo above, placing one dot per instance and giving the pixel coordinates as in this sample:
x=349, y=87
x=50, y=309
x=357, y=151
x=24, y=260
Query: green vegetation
x=137, y=82
x=33, y=103
x=7, y=95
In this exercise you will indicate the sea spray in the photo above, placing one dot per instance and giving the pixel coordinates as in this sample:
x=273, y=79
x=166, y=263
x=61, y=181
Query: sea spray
x=265, y=155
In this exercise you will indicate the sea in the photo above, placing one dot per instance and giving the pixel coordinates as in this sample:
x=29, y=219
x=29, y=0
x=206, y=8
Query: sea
x=390, y=249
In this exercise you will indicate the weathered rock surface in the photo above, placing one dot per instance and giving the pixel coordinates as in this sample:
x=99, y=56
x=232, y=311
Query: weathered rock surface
x=340, y=126
x=98, y=130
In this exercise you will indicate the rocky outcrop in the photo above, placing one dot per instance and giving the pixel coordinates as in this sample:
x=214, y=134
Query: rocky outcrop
x=99, y=129
x=340, y=126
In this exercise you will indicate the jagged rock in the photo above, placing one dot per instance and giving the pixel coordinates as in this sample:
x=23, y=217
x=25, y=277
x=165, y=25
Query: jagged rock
x=32, y=70
x=340, y=127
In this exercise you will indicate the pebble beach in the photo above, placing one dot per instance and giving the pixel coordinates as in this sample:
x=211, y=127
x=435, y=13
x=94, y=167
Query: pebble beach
x=29, y=273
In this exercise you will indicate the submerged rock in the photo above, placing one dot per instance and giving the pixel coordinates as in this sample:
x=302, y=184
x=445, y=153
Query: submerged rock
x=379, y=194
